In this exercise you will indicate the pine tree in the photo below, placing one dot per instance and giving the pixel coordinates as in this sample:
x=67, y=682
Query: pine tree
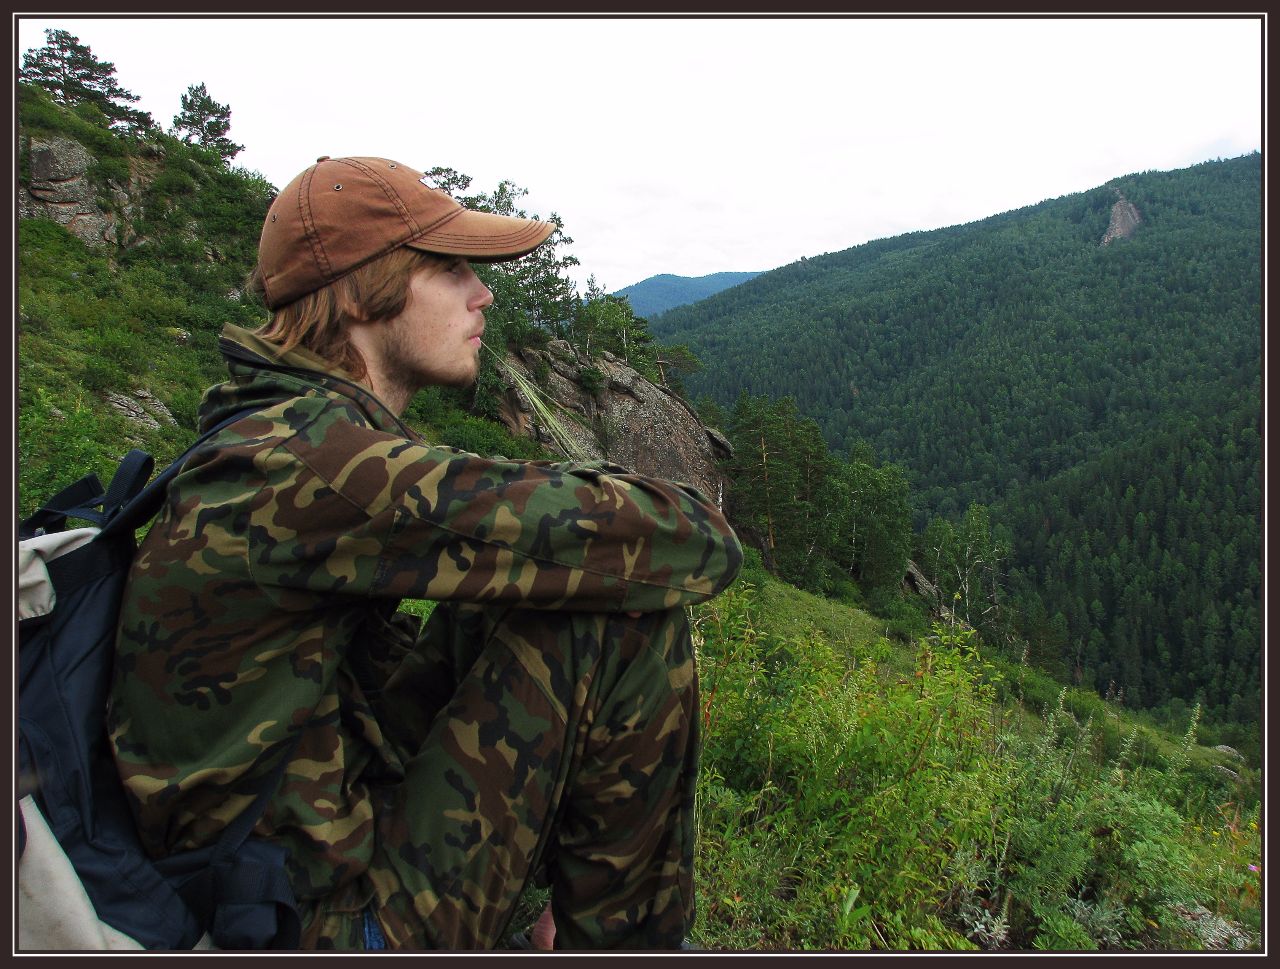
x=785, y=497
x=673, y=362
x=206, y=122
x=68, y=70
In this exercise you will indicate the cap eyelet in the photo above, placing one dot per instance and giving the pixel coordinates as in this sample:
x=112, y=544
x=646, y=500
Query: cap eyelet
x=338, y=187
x=273, y=216
x=392, y=165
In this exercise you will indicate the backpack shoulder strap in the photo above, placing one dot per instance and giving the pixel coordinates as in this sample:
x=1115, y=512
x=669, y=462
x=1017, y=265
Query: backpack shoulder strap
x=142, y=503
x=52, y=516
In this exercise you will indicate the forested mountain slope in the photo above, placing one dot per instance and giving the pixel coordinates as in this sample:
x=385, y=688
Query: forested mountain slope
x=1021, y=363
x=657, y=294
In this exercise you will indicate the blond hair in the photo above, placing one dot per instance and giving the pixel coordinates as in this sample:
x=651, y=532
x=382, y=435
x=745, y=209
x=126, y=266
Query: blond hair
x=317, y=321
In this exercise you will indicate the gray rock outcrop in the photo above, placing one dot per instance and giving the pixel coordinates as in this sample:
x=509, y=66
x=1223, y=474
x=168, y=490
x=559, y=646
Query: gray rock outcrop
x=1124, y=220
x=61, y=190
x=142, y=408
x=616, y=414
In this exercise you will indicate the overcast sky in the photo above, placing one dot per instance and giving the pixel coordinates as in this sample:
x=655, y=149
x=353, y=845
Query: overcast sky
x=694, y=146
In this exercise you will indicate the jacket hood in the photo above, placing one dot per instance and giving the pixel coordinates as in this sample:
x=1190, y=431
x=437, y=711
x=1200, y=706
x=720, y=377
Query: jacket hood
x=262, y=376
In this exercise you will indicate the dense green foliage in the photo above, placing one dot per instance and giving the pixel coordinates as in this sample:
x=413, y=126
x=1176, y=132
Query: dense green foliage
x=657, y=294
x=1142, y=569
x=1017, y=363
x=822, y=522
x=855, y=795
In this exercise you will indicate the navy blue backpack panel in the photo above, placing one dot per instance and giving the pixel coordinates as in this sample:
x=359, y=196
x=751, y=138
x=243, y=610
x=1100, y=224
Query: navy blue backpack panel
x=237, y=890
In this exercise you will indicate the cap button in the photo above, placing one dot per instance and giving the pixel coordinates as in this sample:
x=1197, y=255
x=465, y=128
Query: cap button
x=322, y=158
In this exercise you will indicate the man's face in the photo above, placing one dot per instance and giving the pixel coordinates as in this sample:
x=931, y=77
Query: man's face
x=436, y=337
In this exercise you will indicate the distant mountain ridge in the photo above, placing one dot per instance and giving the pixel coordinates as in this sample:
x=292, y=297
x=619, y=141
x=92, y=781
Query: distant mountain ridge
x=657, y=294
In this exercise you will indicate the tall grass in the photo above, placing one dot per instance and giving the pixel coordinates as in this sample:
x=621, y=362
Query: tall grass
x=544, y=408
x=849, y=800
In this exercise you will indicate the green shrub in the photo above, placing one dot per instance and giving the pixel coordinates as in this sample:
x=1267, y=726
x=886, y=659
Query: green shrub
x=1035, y=689
x=485, y=438
x=905, y=617
x=847, y=592
x=37, y=113
x=591, y=379
x=102, y=374
x=753, y=571
x=105, y=169
x=1059, y=932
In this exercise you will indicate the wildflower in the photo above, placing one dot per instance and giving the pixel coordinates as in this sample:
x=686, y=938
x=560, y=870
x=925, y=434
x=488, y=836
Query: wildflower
x=1253, y=867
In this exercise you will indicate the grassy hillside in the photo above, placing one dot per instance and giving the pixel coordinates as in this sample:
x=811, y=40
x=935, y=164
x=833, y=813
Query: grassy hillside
x=859, y=793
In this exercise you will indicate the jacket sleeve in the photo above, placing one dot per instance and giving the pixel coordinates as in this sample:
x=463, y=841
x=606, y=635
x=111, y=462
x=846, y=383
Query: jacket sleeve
x=355, y=511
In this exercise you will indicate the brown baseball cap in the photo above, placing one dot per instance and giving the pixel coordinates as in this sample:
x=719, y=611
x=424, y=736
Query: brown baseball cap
x=342, y=212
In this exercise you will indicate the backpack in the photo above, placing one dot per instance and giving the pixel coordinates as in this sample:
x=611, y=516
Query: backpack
x=70, y=587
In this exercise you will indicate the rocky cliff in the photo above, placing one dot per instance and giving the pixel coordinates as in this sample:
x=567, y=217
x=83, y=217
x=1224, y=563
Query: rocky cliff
x=62, y=190
x=614, y=413
x=1124, y=220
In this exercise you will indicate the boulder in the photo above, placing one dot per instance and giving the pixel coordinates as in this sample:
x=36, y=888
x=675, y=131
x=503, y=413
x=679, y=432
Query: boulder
x=143, y=409
x=629, y=421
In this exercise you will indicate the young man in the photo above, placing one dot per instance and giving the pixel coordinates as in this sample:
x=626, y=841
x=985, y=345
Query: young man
x=544, y=721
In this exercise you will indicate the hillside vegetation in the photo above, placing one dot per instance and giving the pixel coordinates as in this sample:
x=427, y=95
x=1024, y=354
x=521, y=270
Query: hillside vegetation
x=1100, y=402
x=876, y=774
x=861, y=795
x=95, y=321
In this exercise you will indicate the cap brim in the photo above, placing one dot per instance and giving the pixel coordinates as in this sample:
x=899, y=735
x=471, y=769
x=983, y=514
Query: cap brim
x=484, y=237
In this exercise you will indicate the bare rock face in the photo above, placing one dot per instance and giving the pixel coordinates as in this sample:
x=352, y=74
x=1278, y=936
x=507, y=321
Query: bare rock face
x=616, y=414
x=1124, y=220
x=142, y=408
x=60, y=190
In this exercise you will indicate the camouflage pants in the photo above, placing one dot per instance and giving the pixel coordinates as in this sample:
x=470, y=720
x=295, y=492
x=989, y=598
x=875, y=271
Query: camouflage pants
x=542, y=744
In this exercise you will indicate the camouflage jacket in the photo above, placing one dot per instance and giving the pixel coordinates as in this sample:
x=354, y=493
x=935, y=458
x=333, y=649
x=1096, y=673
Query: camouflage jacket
x=294, y=528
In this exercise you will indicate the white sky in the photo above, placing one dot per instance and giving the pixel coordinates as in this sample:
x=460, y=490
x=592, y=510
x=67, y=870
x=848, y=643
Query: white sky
x=693, y=146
